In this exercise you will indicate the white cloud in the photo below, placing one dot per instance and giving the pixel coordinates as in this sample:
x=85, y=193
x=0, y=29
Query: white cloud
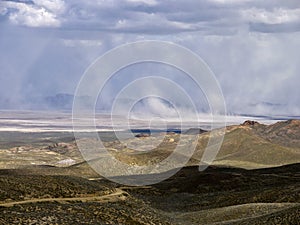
x=276, y=16
x=56, y=6
x=229, y=1
x=151, y=21
x=84, y=43
x=147, y=2
x=3, y=10
x=31, y=15
x=220, y=17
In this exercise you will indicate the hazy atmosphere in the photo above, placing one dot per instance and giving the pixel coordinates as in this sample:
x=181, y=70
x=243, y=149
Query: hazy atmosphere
x=171, y=112
x=251, y=46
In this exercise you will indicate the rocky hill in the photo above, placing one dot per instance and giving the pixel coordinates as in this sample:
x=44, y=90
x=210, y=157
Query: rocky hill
x=46, y=189
x=254, y=145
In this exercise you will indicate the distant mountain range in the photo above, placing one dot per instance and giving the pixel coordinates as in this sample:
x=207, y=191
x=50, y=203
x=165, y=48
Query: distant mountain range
x=63, y=101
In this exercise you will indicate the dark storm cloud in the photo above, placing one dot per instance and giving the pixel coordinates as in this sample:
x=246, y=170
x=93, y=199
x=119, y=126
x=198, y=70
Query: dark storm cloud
x=155, y=17
x=251, y=45
x=274, y=28
x=185, y=16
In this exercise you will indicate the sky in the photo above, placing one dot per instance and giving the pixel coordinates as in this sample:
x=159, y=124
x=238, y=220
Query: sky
x=252, y=47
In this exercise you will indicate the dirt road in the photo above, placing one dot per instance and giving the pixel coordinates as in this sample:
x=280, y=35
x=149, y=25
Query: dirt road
x=117, y=195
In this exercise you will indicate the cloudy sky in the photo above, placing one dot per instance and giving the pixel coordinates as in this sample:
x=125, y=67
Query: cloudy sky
x=252, y=46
